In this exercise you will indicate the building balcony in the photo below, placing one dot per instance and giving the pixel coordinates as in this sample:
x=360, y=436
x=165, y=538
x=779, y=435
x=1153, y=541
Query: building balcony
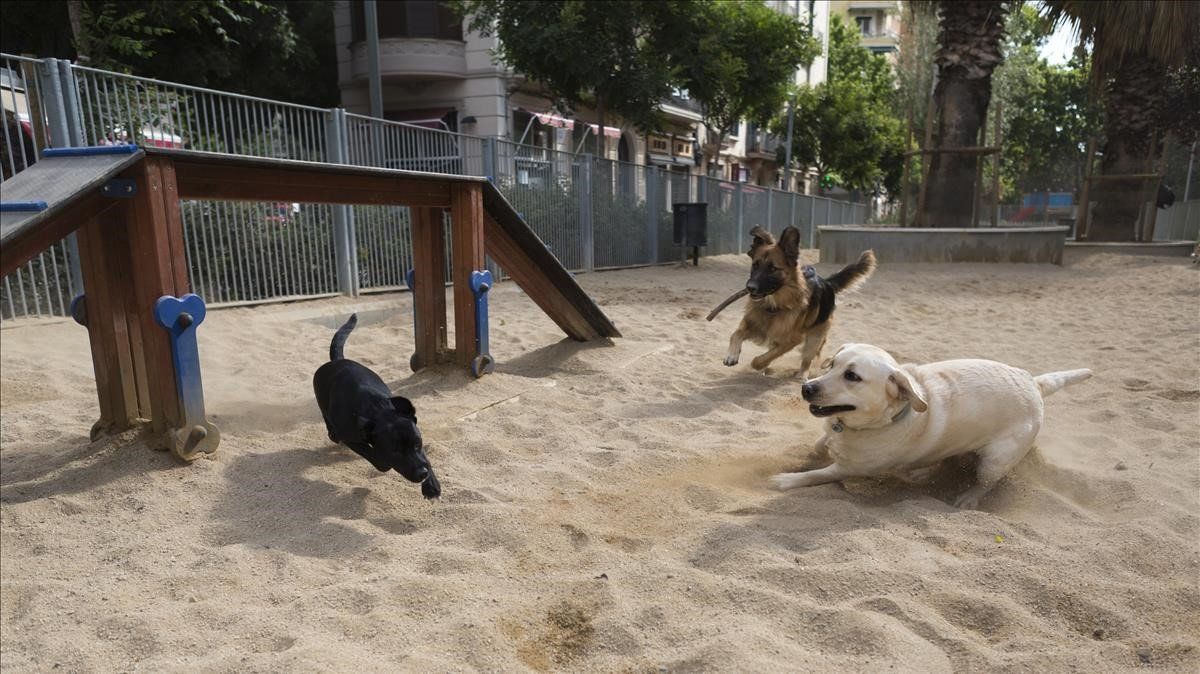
x=408, y=58
x=762, y=145
x=881, y=41
x=886, y=5
x=682, y=108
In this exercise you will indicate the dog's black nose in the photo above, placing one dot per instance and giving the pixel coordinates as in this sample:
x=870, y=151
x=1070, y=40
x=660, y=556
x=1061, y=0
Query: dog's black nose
x=420, y=474
x=752, y=285
x=808, y=390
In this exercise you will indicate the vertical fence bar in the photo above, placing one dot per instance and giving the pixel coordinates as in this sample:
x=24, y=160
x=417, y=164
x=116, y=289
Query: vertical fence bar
x=653, y=198
x=586, y=213
x=343, y=215
x=739, y=212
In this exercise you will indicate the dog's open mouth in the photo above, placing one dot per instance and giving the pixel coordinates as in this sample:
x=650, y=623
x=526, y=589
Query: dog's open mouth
x=820, y=411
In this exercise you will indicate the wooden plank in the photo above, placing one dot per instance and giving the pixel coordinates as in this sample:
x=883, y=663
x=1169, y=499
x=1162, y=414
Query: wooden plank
x=250, y=183
x=153, y=276
x=174, y=222
x=115, y=399
x=30, y=242
x=59, y=182
x=429, y=295
x=467, y=256
x=116, y=233
x=517, y=264
x=543, y=273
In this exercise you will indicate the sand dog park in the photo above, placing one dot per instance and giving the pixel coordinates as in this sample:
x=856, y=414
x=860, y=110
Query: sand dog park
x=498, y=336
x=607, y=505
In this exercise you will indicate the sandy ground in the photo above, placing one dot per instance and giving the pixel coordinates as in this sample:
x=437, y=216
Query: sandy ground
x=606, y=506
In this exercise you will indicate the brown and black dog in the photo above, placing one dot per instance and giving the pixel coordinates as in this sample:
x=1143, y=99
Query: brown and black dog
x=788, y=307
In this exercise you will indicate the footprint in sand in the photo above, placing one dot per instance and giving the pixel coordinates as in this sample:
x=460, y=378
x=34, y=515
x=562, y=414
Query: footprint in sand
x=1179, y=395
x=1135, y=384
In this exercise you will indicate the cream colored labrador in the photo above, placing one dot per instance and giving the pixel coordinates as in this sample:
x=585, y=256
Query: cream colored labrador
x=890, y=419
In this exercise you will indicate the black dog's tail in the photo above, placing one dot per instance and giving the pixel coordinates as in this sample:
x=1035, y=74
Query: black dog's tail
x=853, y=275
x=340, y=337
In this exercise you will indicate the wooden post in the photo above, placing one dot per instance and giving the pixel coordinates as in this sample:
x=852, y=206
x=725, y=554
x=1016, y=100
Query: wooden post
x=998, y=135
x=114, y=334
x=1152, y=219
x=429, y=293
x=158, y=268
x=925, y=160
x=908, y=138
x=1081, y=220
x=978, y=202
x=467, y=255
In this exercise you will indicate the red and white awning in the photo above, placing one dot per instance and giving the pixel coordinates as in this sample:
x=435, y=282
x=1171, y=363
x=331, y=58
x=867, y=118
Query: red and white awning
x=609, y=131
x=551, y=119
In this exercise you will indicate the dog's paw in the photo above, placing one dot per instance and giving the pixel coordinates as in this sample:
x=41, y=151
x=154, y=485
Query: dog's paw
x=760, y=363
x=730, y=361
x=786, y=481
x=968, y=501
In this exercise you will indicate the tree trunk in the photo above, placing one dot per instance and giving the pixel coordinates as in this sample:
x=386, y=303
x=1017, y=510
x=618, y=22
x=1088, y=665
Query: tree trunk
x=1133, y=104
x=75, y=16
x=969, y=50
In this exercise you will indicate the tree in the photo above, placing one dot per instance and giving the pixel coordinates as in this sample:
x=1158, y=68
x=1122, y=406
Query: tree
x=1135, y=47
x=969, y=49
x=582, y=53
x=738, y=60
x=847, y=126
x=269, y=48
x=1047, y=116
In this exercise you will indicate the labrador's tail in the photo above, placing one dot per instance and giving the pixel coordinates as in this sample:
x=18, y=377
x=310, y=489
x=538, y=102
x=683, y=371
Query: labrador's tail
x=340, y=337
x=1053, y=381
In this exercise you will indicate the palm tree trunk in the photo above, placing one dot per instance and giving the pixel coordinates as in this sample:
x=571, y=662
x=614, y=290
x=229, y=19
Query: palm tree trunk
x=1133, y=104
x=968, y=52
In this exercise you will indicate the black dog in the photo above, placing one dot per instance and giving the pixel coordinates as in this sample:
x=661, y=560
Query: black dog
x=361, y=413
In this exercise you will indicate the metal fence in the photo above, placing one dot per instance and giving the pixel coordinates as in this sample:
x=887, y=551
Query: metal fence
x=1180, y=222
x=592, y=213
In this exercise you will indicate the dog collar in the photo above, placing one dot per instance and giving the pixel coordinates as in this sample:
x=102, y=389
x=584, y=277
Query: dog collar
x=838, y=426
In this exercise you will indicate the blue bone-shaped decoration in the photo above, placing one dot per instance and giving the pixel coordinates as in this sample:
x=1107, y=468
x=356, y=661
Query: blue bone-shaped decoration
x=180, y=317
x=481, y=283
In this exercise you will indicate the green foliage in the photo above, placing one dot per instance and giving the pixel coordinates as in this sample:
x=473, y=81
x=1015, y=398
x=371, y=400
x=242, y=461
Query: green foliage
x=847, y=127
x=738, y=60
x=268, y=48
x=735, y=59
x=1047, y=113
x=583, y=53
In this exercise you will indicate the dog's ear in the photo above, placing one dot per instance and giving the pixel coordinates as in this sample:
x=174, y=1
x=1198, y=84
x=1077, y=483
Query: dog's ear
x=405, y=407
x=761, y=238
x=901, y=386
x=789, y=243
x=829, y=361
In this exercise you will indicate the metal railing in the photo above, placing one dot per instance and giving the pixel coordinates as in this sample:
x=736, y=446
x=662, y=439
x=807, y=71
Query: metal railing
x=1180, y=222
x=592, y=213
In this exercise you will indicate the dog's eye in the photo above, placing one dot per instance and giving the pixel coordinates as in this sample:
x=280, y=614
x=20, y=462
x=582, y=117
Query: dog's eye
x=850, y=376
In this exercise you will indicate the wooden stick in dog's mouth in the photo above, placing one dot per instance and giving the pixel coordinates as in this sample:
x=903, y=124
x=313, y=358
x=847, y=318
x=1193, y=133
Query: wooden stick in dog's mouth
x=721, y=307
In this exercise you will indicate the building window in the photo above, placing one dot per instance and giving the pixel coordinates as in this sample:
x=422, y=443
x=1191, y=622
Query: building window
x=864, y=25
x=413, y=18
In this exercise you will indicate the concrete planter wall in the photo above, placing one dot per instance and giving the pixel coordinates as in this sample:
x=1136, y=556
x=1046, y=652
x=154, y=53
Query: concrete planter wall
x=1038, y=245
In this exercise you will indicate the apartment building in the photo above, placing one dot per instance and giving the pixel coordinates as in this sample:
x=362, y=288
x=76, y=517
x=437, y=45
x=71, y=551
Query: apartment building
x=878, y=22
x=434, y=72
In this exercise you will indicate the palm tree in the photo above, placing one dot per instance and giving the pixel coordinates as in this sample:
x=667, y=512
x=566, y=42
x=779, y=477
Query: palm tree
x=1134, y=47
x=968, y=51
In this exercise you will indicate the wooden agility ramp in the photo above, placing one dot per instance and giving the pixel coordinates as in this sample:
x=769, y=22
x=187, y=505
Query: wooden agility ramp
x=141, y=318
